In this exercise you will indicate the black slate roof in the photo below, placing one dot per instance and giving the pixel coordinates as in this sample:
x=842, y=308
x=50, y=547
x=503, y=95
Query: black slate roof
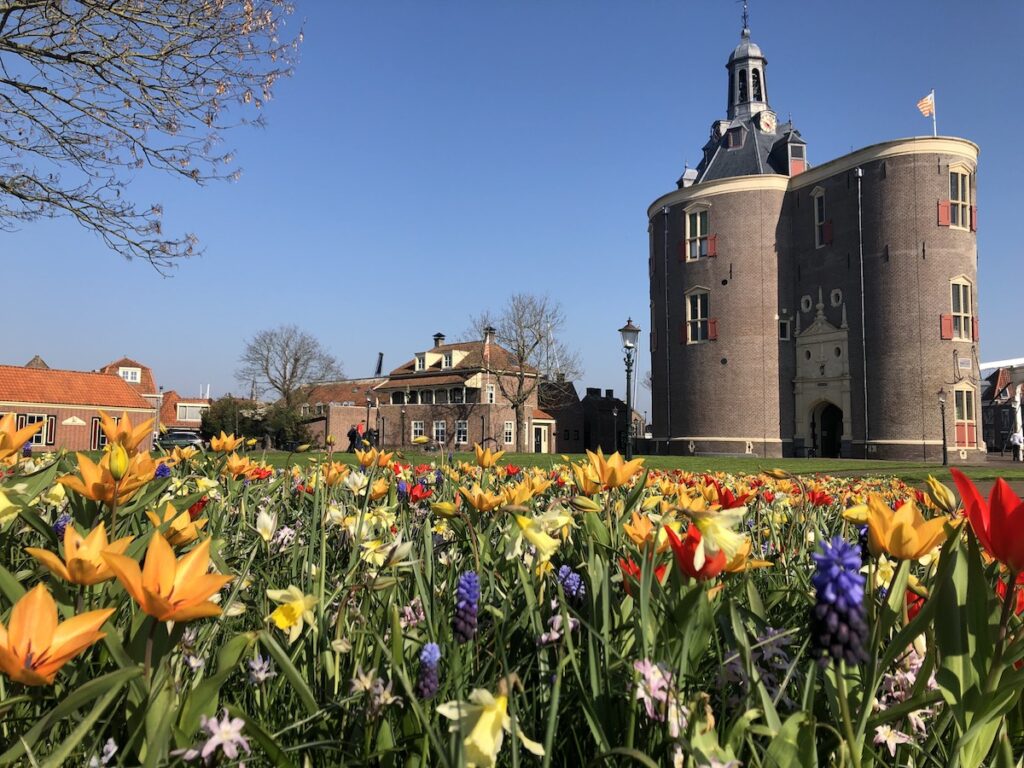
x=754, y=158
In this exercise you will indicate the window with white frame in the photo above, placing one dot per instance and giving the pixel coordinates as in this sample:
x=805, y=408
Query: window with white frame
x=446, y=360
x=510, y=432
x=191, y=411
x=962, y=306
x=417, y=429
x=461, y=432
x=131, y=375
x=490, y=394
x=440, y=431
x=963, y=412
x=697, y=316
x=319, y=409
x=959, y=198
x=421, y=362
x=818, y=201
x=696, y=234
x=784, y=330
x=39, y=438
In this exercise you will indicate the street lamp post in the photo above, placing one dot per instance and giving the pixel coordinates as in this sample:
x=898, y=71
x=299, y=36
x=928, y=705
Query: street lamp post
x=615, y=427
x=402, y=441
x=630, y=334
x=366, y=431
x=942, y=411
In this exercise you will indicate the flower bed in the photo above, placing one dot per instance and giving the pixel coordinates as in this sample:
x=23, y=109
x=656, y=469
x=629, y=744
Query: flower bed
x=204, y=608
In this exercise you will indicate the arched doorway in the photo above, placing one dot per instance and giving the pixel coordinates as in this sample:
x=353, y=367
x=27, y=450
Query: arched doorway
x=827, y=421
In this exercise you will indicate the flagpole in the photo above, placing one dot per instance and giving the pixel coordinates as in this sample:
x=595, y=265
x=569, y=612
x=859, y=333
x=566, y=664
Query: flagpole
x=935, y=131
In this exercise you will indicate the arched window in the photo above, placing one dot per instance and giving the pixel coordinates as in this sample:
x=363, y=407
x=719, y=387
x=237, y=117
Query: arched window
x=732, y=87
x=743, y=86
x=755, y=77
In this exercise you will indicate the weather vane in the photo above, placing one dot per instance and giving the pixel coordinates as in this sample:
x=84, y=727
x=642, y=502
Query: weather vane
x=746, y=16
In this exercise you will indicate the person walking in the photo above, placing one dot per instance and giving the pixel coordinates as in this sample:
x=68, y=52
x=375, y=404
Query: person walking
x=353, y=438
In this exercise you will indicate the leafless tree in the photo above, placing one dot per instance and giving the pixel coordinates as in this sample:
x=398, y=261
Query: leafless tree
x=284, y=360
x=527, y=328
x=91, y=91
x=648, y=381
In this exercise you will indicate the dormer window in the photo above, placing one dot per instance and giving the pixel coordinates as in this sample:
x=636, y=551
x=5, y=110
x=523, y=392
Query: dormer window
x=421, y=362
x=446, y=360
x=734, y=137
x=797, y=159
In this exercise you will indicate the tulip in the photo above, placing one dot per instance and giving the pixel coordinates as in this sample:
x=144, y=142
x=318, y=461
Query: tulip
x=903, y=534
x=631, y=574
x=83, y=561
x=118, y=461
x=743, y=562
x=97, y=482
x=640, y=530
x=481, y=500
x=181, y=530
x=691, y=556
x=485, y=457
x=225, y=443
x=443, y=509
x=941, y=497
x=122, y=432
x=33, y=647
x=614, y=471
x=169, y=589
x=381, y=486
x=334, y=472
x=237, y=466
x=587, y=479
x=11, y=439
x=999, y=524
x=266, y=525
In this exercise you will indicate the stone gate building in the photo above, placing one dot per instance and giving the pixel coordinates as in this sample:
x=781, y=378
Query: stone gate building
x=814, y=310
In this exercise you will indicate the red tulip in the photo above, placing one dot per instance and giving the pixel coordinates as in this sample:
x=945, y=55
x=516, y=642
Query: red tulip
x=999, y=524
x=1019, y=595
x=419, y=492
x=685, y=550
x=631, y=574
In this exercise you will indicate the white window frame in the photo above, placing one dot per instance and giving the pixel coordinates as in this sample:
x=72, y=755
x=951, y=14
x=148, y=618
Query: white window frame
x=697, y=232
x=421, y=362
x=510, y=432
x=959, y=197
x=962, y=292
x=491, y=398
x=417, y=429
x=818, y=210
x=131, y=375
x=698, y=326
x=461, y=432
x=446, y=360
x=440, y=432
x=186, y=407
x=39, y=438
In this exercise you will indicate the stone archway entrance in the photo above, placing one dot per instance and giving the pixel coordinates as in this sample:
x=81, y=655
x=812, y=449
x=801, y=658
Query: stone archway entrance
x=827, y=427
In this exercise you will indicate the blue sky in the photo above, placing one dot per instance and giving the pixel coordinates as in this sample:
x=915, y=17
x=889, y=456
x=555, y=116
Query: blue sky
x=431, y=157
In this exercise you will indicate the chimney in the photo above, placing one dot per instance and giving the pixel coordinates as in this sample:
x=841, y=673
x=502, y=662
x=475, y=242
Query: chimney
x=560, y=378
x=489, y=332
x=438, y=339
x=609, y=393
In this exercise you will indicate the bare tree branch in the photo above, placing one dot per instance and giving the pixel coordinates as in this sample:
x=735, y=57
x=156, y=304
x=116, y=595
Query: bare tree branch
x=91, y=91
x=284, y=360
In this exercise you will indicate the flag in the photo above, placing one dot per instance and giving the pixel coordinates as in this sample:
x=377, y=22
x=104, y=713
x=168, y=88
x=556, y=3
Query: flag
x=927, y=104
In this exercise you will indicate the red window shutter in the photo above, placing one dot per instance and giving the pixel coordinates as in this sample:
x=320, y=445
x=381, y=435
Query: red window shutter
x=827, y=232
x=713, y=329
x=51, y=429
x=961, y=433
x=946, y=326
x=712, y=245
x=681, y=250
x=974, y=329
x=944, y=218
x=972, y=436
x=974, y=218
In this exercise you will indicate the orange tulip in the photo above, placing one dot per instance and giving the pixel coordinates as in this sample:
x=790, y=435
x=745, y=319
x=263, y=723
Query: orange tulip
x=123, y=433
x=34, y=647
x=225, y=443
x=169, y=589
x=587, y=480
x=373, y=457
x=237, y=466
x=335, y=472
x=640, y=529
x=613, y=471
x=97, y=482
x=83, y=557
x=11, y=439
x=481, y=500
x=485, y=457
x=182, y=530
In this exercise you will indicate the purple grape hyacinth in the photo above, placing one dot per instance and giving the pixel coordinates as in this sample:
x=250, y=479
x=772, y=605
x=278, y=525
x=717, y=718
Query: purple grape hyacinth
x=572, y=584
x=467, y=597
x=838, y=627
x=429, y=679
x=162, y=471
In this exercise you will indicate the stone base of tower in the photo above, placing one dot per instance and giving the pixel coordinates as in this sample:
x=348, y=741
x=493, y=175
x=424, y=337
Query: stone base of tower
x=716, y=446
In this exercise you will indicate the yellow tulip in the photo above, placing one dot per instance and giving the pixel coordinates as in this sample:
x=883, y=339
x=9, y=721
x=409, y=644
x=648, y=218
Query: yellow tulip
x=485, y=457
x=742, y=561
x=941, y=496
x=181, y=530
x=33, y=647
x=903, y=534
x=587, y=479
x=225, y=443
x=858, y=514
x=123, y=433
x=170, y=589
x=481, y=500
x=83, y=561
x=237, y=466
x=614, y=471
x=118, y=461
x=379, y=489
x=443, y=509
x=11, y=439
x=640, y=530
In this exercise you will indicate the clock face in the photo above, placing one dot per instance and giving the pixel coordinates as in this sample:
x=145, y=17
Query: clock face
x=766, y=121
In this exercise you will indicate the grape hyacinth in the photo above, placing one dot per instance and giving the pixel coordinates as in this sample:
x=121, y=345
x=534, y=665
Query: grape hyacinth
x=838, y=629
x=467, y=597
x=162, y=471
x=61, y=523
x=428, y=681
x=572, y=584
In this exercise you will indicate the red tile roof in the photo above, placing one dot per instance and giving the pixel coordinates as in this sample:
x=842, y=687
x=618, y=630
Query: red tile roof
x=146, y=384
x=423, y=381
x=345, y=391
x=539, y=414
x=52, y=386
x=169, y=409
x=500, y=359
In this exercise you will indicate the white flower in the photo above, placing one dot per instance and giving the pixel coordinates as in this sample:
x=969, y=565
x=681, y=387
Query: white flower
x=266, y=525
x=356, y=482
x=886, y=734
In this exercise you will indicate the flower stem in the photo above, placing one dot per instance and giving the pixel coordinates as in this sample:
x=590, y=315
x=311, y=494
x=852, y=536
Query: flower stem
x=1004, y=621
x=844, y=708
x=149, y=650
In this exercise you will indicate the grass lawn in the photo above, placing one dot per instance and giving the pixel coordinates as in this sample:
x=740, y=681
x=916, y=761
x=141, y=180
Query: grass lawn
x=911, y=472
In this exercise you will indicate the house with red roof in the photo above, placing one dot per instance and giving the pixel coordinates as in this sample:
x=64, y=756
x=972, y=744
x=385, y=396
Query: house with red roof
x=68, y=404
x=178, y=412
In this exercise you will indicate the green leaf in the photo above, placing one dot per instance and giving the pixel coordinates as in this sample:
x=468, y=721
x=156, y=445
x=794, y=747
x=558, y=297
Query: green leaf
x=794, y=744
x=10, y=586
x=299, y=685
x=63, y=752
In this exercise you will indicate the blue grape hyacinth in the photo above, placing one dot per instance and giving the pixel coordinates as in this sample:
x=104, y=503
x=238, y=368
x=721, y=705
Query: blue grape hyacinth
x=467, y=598
x=838, y=627
x=572, y=584
x=429, y=678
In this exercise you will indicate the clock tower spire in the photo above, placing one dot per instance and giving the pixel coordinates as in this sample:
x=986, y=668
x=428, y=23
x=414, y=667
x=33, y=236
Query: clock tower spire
x=748, y=85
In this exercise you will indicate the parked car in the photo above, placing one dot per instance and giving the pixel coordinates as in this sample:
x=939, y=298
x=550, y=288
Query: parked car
x=179, y=438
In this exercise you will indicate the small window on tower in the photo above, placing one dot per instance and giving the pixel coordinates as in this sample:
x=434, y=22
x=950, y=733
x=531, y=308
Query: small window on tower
x=755, y=77
x=734, y=137
x=743, y=85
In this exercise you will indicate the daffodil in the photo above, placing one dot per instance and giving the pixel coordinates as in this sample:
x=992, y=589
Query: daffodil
x=123, y=433
x=903, y=533
x=225, y=443
x=294, y=610
x=614, y=471
x=481, y=500
x=8, y=510
x=884, y=572
x=181, y=529
x=533, y=531
x=170, y=589
x=266, y=525
x=98, y=483
x=485, y=457
x=742, y=561
x=33, y=646
x=482, y=722
x=12, y=439
x=717, y=533
x=83, y=561
x=54, y=495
